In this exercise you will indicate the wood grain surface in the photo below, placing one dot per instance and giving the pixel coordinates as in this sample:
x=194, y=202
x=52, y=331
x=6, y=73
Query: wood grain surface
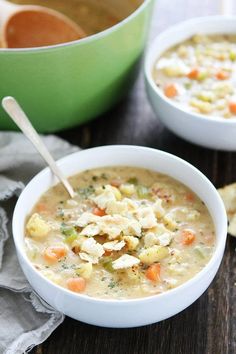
x=209, y=325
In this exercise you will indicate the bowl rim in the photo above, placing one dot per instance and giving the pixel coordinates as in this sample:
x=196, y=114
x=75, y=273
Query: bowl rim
x=85, y=40
x=151, y=58
x=219, y=248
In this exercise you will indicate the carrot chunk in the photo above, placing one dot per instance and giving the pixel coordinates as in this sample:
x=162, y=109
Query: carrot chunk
x=107, y=253
x=76, y=284
x=99, y=212
x=54, y=253
x=116, y=183
x=193, y=74
x=170, y=91
x=188, y=237
x=41, y=207
x=232, y=107
x=189, y=197
x=153, y=272
x=222, y=75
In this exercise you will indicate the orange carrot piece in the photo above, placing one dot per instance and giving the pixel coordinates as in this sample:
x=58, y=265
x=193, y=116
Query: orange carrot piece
x=170, y=91
x=107, y=253
x=188, y=237
x=41, y=207
x=232, y=107
x=99, y=212
x=222, y=75
x=54, y=253
x=116, y=183
x=189, y=197
x=193, y=74
x=153, y=272
x=76, y=284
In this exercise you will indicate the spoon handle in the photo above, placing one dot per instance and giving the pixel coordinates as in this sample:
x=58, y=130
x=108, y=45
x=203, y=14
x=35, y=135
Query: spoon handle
x=14, y=110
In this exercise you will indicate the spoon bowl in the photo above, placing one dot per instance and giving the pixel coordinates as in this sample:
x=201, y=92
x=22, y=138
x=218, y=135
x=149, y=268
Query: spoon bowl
x=47, y=26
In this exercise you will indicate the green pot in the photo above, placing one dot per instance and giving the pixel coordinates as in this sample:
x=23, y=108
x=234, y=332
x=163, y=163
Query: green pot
x=65, y=85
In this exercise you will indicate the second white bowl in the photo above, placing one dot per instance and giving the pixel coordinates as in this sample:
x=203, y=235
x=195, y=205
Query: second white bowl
x=211, y=132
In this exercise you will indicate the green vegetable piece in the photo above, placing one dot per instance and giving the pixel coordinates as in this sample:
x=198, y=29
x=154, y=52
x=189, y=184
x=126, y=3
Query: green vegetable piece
x=188, y=85
x=232, y=55
x=133, y=180
x=206, y=96
x=143, y=192
x=199, y=251
x=70, y=233
x=202, y=76
x=71, y=238
x=108, y=266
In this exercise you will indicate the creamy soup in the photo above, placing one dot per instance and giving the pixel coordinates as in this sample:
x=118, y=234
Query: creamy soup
x=200, y=75
x=128, y=233
x=93, y=16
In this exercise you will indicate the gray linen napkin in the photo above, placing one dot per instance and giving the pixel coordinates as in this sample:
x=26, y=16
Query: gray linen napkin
x=25, y=319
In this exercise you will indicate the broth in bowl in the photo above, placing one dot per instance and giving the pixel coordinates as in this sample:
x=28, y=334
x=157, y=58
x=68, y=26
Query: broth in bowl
x=128, y=233
x=199, y=75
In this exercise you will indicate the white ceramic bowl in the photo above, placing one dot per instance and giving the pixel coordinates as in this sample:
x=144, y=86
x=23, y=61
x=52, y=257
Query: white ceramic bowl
x=122, y=313
x=211, y=132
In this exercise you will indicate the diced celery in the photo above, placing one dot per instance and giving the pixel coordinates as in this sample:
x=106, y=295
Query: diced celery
x=202, y=76
x=69, y=232
x=188, y=85
x=71, y=238
x=206, y=96
x=232, y=55
x=143, y=192
x=201, y=251
x=108, y=266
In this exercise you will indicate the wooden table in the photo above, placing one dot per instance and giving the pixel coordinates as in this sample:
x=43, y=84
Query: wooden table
x=209, y=325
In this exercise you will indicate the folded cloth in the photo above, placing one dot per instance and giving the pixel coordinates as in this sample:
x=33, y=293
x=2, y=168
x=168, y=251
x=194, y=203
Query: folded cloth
x=26, y=320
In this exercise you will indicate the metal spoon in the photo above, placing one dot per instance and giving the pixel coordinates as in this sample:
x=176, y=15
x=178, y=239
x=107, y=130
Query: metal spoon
x=12, y=107
x=25, y=26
